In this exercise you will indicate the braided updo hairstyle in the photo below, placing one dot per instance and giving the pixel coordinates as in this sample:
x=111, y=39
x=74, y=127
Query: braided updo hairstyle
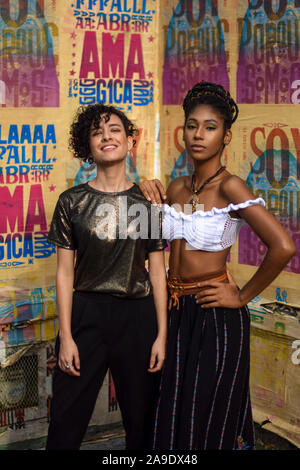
x=214, y=95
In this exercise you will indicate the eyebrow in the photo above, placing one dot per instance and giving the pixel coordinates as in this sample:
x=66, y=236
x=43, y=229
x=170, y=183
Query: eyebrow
x=110, y=125
x=206, y=120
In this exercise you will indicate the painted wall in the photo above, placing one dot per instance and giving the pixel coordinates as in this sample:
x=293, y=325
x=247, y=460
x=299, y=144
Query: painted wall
x=252, y=48
x=141, y=56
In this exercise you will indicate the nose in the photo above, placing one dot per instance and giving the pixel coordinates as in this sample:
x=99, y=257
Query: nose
x=106, y=133
x=199, y=133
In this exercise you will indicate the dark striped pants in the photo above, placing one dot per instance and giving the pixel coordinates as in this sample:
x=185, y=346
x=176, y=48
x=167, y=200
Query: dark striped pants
x=204, y=397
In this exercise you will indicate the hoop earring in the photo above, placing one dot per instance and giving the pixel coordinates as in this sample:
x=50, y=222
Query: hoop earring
x=89, y=160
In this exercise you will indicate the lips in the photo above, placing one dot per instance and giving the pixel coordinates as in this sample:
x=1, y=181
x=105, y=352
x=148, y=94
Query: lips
x=108, y=148
x=198, y=147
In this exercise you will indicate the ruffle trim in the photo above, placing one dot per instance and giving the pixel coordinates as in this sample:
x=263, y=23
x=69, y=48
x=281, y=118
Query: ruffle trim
x=214, y=211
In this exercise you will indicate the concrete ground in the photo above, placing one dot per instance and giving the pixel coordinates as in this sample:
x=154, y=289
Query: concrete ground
x=265, y=440
x=112, y=438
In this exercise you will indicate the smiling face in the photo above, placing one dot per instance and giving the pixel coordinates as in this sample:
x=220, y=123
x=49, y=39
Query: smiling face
x=204, y=133
x=109, y=142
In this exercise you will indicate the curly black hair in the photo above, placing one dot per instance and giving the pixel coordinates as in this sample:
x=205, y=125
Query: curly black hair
x=88, y=116
x=214, y=95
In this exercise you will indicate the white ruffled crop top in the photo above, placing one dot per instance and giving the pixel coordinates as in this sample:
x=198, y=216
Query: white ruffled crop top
x=212, y=230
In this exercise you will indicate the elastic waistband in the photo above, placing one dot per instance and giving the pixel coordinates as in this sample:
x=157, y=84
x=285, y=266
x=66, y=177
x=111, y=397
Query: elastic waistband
x=107, y=298
x=177, y=287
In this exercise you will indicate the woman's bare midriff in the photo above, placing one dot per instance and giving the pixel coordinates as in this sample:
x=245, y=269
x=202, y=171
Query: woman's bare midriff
x=191, y=265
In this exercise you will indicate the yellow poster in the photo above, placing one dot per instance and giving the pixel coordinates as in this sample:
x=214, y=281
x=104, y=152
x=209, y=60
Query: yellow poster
x=141, y=56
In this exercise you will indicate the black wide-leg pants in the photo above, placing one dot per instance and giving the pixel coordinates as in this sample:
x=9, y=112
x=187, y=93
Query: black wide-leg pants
x=113, y=333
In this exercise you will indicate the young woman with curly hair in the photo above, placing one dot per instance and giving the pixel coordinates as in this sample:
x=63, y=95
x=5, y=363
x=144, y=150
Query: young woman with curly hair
x=204, y=398
x=116, y=316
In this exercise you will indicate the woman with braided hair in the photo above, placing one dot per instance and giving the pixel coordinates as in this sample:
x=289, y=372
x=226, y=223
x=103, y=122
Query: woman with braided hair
x=204, y=398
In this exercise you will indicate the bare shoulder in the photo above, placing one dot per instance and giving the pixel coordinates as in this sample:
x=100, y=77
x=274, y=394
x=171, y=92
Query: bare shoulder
x=176, y=186
x=234, y=189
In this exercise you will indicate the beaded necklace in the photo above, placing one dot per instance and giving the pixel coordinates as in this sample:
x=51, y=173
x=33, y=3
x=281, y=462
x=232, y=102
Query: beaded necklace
x=194, y=200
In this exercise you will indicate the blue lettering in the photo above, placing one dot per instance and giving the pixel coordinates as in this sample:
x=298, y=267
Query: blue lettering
x=135, y=8
x=127, y=98
x=11, y=170
x=50, y=134
x=38, y=134
x=44, y=157
x=117, y=98
x=28, y=245
x=13, y=153
x=1, y=248
x=116, y=4
x=16, y=254
x=34, y=159
x=24, y=160
x=25, y=134
x=13, y=246
x=144, y=8
x=24, y=169
x=42, y=248
x=2, y=151
x=125, y=7
x=79, y=3
x=101, y=94
x=13, y=134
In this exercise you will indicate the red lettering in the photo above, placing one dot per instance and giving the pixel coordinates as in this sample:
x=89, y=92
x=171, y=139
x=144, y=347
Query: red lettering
x=179, y=147
x=11, y=209
x=254, y=147
x=36, y=201
x=135, y=48
x=296, y=139
x=112, y=55
x=89, y=59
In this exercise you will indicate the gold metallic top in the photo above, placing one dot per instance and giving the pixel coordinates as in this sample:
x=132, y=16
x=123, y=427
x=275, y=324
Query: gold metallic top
x=112, y=234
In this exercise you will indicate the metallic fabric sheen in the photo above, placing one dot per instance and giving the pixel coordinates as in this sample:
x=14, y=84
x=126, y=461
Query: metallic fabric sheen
x=108, y=258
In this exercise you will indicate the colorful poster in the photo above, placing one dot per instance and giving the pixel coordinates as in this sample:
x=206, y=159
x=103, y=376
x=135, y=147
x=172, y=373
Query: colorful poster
x=109, y=44
x=270, y=163
x=268, y=65
x=58, y=56
x=194, y=48
x=29, y=36
x=141, y=56
x=28, y=185
x=109, y=49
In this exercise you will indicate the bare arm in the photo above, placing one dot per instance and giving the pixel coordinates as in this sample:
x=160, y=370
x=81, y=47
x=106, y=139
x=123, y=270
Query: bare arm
x=157, y=273
x=280, y=249
x=68, y=352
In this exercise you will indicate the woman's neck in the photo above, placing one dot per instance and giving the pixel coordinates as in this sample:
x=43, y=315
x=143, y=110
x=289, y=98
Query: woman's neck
x=111, y=179
x=204, y=170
